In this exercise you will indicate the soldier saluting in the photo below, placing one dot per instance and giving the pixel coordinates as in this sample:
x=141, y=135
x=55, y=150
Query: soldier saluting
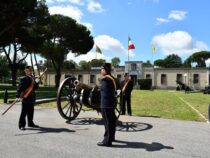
x=26, y=94
x=126, y=87
x=108, y=89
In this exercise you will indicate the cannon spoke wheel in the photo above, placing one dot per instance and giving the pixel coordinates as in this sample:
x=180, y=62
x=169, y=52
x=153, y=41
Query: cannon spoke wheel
x=117, y=108
x=68, y=108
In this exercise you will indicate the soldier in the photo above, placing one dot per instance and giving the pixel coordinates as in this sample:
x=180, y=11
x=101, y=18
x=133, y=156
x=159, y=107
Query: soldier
x=108, y=89
x=127, y=87
x=26, y=94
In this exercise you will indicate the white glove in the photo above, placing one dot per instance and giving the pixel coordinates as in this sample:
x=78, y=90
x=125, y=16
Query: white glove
x=18, y=99
x=118, y=92
x=37, y=80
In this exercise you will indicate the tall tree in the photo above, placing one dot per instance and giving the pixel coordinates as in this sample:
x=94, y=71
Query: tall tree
x=17, y=17
x=173, y=60
x=69, y=65
x=115, y=61
x=84, y=65
x=4, y=69
x=97, y=62
x=200, y=58
x=65, y=35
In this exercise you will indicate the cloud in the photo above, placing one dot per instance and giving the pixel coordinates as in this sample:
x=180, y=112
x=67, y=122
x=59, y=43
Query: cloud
x=177, y=15
x=78, y=2
x=87, y=57
x=112, y=45
x=70, y=11
x=173, y=15
x=88, y=25
x=178, y=42
x=94, y=7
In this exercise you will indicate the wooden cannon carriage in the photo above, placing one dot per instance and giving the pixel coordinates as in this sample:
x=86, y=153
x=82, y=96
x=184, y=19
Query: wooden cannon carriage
x=72, y=95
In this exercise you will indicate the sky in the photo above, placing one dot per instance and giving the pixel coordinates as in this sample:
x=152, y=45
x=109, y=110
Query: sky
x=174, y=26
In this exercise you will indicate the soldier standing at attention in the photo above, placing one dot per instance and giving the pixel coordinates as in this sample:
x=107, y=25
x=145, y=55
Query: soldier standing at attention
x=26, y=94
x=127, y=87
x=108, y=89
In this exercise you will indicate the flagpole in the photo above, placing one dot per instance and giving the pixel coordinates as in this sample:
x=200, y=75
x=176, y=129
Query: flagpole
x=128, y=47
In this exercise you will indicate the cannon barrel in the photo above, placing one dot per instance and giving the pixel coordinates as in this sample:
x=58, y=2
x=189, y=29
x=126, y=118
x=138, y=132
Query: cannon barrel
x=79, y=86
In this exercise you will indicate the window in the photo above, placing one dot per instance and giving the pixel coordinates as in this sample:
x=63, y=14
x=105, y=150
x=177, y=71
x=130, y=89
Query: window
x=163, y=79
x=148, y=76
x=92, y=79
x=195, y=78
x=133, y=67
x=179, y=77
x=80, y=78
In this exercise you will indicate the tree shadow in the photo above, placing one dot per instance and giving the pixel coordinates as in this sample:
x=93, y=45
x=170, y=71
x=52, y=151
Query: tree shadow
x=154, y=146
x=121, y=126
x=42, y=130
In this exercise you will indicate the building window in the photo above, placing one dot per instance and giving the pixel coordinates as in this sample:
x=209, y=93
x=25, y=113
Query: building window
x=163, y=79
x=80, y=78
x=92, y=79
x=148, y=76
x=195, y=78
x=119, y=77
x=179, y=77
x=133, y=67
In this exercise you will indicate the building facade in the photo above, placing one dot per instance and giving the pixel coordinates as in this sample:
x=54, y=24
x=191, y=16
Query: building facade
x=162, y=78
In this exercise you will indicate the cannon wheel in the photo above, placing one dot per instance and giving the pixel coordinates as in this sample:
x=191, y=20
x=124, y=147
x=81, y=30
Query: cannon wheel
x=117, y=108
x=68, y=108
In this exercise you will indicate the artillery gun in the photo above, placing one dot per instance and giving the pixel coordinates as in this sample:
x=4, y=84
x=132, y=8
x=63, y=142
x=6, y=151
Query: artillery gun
x=72, y=95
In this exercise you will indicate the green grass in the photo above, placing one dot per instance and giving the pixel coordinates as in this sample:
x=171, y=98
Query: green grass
x=157, y=103
x=42, y=92
x=166, y=104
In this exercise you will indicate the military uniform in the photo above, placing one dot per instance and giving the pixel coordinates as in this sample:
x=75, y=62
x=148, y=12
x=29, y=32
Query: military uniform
x=28, y=102
x=108, y=89
x=127, y=87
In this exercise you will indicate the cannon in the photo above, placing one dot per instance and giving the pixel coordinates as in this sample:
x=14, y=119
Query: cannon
x=73, y=95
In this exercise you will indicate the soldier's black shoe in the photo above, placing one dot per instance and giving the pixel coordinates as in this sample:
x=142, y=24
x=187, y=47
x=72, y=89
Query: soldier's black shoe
x=33, y=125
x=104, y=144
x=22, y=128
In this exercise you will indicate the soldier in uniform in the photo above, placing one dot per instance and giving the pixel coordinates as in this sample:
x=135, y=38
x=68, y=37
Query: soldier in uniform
x=26, y=94
x=126, y=87
x=108, y=89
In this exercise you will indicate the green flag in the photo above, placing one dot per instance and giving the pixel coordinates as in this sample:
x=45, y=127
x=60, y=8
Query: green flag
x=98, y=50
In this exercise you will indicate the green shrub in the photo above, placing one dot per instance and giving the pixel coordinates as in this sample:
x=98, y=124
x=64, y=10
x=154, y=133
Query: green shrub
x=145, y=84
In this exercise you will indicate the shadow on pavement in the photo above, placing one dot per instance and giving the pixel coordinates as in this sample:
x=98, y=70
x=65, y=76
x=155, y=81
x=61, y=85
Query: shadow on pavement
x=42, y=130
x=121, y=126
x=154, y=146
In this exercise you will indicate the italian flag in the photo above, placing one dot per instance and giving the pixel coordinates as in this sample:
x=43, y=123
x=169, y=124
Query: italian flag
x=130, y=44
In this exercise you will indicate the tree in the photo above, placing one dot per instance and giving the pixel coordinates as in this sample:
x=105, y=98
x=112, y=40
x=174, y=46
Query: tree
x=65, y=35
x=17, y=19
x=115, y=61
x=4, y=69
x=159, y=62
x=200, y=58
x=84, y=65
x=173, y=60
x=97, y=62
x=69, y=65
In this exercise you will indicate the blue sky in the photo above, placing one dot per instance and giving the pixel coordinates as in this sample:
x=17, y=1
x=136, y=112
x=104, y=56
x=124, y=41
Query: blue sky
x=174, y=26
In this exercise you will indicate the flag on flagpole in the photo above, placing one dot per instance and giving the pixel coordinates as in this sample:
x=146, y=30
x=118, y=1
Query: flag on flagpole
x=153, y=48
x=98, y=50
x=130, y=44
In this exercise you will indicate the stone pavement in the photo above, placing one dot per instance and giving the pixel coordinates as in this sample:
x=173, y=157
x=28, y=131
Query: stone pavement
x=144, y=137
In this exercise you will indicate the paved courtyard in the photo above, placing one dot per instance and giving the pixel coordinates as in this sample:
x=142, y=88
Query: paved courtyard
x=143, y=137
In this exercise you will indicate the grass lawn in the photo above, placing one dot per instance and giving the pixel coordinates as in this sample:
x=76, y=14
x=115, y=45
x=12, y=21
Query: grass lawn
x=167, y=104
x=157, y=103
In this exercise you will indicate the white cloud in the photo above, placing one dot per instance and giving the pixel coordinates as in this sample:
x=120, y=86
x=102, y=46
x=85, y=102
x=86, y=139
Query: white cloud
x=178, y=42
x=78, y=2
x=161, y=20
x=87, y=57
x=49, y=1
x=113, y=45
x=177, y=15
x=94, y=7
x=70, y=11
